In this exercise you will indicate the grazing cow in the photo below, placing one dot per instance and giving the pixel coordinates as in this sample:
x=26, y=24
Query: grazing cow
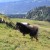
x=26, y=29
x=25, y=23
x=2, y=20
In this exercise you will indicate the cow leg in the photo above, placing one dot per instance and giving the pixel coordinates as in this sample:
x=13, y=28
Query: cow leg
x=23, y=34
x=36, y=37
x=32, y=38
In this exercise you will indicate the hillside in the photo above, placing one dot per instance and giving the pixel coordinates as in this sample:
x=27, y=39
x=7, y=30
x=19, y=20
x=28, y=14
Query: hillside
x=5, y=17
x=11, y=39
x=6, y=20
x=40, y=13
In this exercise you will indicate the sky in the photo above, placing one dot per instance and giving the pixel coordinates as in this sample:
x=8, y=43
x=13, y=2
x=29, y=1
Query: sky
x=21, y=6
x=8, y=0
x=14, y=0
x=21, y=0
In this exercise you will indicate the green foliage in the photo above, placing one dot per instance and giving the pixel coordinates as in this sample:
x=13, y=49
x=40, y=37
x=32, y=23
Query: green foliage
x=11, y=39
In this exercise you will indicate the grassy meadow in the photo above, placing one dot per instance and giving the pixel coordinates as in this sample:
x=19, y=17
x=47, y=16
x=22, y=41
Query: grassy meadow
x=11, y=39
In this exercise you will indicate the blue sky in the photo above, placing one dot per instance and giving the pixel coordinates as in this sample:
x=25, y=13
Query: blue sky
x=21, y=6
x=8, y=0
x=22, y=0
x=19, y=0
x=15, y=0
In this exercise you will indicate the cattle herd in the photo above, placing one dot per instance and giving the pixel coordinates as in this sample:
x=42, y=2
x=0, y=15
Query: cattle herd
x=24, y=28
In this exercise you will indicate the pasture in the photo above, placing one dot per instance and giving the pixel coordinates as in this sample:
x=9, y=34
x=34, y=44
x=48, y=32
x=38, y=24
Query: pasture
x=11, y=39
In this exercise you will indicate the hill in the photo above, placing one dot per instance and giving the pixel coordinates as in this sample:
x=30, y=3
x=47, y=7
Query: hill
x=6, y=18
x=11, y=39
x=40, y=13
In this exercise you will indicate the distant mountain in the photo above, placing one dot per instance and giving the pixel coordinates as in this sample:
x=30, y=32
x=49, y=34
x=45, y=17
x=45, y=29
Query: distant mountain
x=21, y=6
x=40, y=13
x=16, y=15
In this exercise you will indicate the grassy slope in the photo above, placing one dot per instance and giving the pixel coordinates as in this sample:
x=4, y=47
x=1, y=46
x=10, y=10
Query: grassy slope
x=5, y=17
x=13, y=40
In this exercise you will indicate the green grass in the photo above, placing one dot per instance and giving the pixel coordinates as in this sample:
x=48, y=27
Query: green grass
x=11, y=39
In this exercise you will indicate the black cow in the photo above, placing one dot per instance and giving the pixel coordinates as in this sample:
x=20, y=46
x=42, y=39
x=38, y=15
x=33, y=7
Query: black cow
x=26, y=29
x=25, y=23
x=2, y=20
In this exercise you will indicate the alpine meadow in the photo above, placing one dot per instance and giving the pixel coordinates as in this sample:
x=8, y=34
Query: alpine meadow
x=11, y=39
x=24, y=24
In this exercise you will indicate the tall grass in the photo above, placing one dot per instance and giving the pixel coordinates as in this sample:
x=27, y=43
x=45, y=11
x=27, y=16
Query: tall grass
x=11, y=39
